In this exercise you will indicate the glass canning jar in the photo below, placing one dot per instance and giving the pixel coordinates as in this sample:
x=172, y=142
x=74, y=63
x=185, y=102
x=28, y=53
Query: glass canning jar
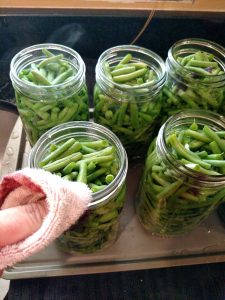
x=175, y=192
x=129, y=109
x=50, y=87
x=98, y=227
x=195, y=77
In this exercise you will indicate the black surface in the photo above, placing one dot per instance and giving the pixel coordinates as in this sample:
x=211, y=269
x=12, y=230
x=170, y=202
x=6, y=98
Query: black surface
x=202, y=282
x=91, y=35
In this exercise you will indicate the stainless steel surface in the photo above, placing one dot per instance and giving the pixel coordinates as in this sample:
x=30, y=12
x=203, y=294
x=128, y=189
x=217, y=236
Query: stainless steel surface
x=134, y=249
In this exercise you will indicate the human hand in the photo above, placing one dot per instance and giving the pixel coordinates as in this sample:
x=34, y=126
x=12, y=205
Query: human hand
x=19, y=222
x=36, y=208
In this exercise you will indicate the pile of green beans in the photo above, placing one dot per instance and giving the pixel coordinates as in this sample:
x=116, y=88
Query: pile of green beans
x=171, y=204
x=132, y=114
x=95, y=163
x=194, y=87
x=39, y=115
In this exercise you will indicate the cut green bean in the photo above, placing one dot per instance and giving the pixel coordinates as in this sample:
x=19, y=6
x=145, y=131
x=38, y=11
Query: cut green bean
x=82, y=176
x=59, y=150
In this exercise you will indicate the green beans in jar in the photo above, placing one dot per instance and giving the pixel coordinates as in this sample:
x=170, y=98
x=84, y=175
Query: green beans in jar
x=50, y=87
x=184, y=174
x=88, y=153
x=127, y=95
x=196, y=77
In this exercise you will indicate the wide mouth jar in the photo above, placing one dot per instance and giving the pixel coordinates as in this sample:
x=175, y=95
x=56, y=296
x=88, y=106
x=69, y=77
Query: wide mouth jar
x=128, y=93
x=187, y=47
x=114, y=55
x=86, y=131
x=34, y=55
x=177, y=122
x=184, y=176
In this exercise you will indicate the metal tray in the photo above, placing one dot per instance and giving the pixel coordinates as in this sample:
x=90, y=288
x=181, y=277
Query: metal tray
x=134, y=249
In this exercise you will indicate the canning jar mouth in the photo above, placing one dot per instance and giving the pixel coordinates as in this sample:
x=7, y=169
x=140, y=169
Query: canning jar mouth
x=84, y=129
x=33, y=54
x=184, y=118
x=190, y=46
x=113, y=55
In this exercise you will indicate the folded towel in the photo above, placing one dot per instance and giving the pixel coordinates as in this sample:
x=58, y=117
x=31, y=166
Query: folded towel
x=64, y=201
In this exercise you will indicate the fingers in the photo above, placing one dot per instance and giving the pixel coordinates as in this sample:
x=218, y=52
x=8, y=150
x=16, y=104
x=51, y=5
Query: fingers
x=21, y=196
x=17, y=223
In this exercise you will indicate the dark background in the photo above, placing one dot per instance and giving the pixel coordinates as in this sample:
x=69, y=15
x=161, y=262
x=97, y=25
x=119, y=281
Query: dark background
x=91, y=35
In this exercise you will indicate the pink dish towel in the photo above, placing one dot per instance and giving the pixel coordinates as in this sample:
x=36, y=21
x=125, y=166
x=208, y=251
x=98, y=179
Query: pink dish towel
x=66, y=201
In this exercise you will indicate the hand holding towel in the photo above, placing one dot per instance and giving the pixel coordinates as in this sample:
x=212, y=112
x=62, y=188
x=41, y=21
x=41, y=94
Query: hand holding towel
x=51, y=203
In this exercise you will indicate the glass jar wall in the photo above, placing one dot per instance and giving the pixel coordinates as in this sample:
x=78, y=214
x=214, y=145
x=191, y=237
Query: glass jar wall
x=50, y=87
x=102, y=164
x=184, y=173
x=127, y=95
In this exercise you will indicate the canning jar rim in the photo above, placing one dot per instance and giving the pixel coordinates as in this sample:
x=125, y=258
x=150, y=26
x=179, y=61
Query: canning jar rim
x=181, y=170
x=111, y=52
x=102, y=196
x=195, y=42
x=21, y=56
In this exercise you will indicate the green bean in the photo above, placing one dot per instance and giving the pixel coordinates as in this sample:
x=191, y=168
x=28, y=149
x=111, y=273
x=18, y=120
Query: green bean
x=82, y=176
x=61, y=163
x=75, y=147
x=99, y=159
x=109, y=178
x=46, y=52
x=169, y=189
x=103, y=152
x=59, y=150
x=197, y=135
x=39, y=78
x=202, y=64
x=134, y=115
x=211, y=134
x=63, y=76
x=96, y=144
x=71, y=176
x=181, y=150
x=107, y=217
x=214, y=148
x=49, y=60
x=124, y=70
x=96, y=174
x=127, y=58
x=87, y=150
x=69, y=168
x=128, y=77
x=96, y=188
